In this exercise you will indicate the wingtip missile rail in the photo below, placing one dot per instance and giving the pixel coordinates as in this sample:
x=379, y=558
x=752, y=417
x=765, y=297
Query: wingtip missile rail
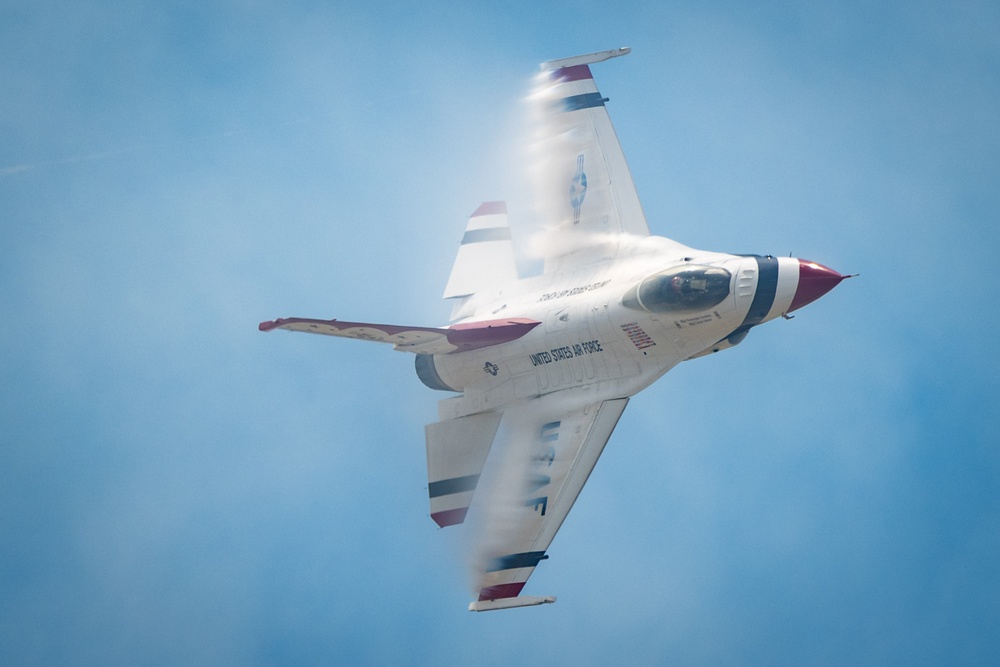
x=510, y=603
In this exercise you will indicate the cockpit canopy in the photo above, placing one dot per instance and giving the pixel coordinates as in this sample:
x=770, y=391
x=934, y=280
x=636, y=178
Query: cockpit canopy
x=687, y=288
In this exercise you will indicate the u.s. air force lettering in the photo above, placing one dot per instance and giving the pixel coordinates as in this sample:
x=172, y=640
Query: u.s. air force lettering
x=567, y=352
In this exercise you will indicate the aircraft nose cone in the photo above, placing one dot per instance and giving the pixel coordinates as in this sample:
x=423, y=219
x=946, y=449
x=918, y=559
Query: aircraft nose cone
x=815, y=280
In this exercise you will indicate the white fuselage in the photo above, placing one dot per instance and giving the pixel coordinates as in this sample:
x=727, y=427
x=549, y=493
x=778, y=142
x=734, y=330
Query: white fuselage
x=594, y=337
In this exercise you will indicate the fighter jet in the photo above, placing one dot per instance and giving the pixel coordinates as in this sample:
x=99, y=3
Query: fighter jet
x=541, y=368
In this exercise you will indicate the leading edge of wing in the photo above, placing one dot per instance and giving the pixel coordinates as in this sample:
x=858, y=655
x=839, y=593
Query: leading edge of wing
x=423, y=340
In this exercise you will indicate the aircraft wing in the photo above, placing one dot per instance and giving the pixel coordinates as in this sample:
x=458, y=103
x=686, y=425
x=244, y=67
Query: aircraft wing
x=586, y=194
x=423, y=340
x=543, y=455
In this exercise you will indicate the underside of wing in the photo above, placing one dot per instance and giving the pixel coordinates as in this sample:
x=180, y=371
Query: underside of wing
x=543, y=455
x=586, y=193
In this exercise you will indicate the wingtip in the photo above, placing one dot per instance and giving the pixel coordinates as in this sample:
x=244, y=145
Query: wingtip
x=511, y=603
x=586, y=59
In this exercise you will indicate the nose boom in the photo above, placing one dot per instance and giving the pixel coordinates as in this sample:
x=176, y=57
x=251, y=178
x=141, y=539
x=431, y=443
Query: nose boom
x=815, y=280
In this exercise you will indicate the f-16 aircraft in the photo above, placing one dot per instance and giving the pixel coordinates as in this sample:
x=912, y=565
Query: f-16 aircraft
x=541, y=368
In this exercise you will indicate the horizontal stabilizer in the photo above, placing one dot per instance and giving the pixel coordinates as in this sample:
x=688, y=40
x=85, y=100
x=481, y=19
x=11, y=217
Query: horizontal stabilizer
x=485, y=259
x=423, y=340
x=456, y=452
x=510, y=603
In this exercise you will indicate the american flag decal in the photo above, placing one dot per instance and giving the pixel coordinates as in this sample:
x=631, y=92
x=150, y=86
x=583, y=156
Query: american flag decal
x=638, y=337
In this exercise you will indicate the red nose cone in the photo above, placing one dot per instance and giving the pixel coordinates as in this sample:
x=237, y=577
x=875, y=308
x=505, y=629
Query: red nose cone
x=815, y=280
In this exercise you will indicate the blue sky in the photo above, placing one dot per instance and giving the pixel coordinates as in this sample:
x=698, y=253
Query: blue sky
x=178, y=488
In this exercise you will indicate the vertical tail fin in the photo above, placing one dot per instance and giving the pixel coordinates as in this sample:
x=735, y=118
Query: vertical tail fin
x=486, y=257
